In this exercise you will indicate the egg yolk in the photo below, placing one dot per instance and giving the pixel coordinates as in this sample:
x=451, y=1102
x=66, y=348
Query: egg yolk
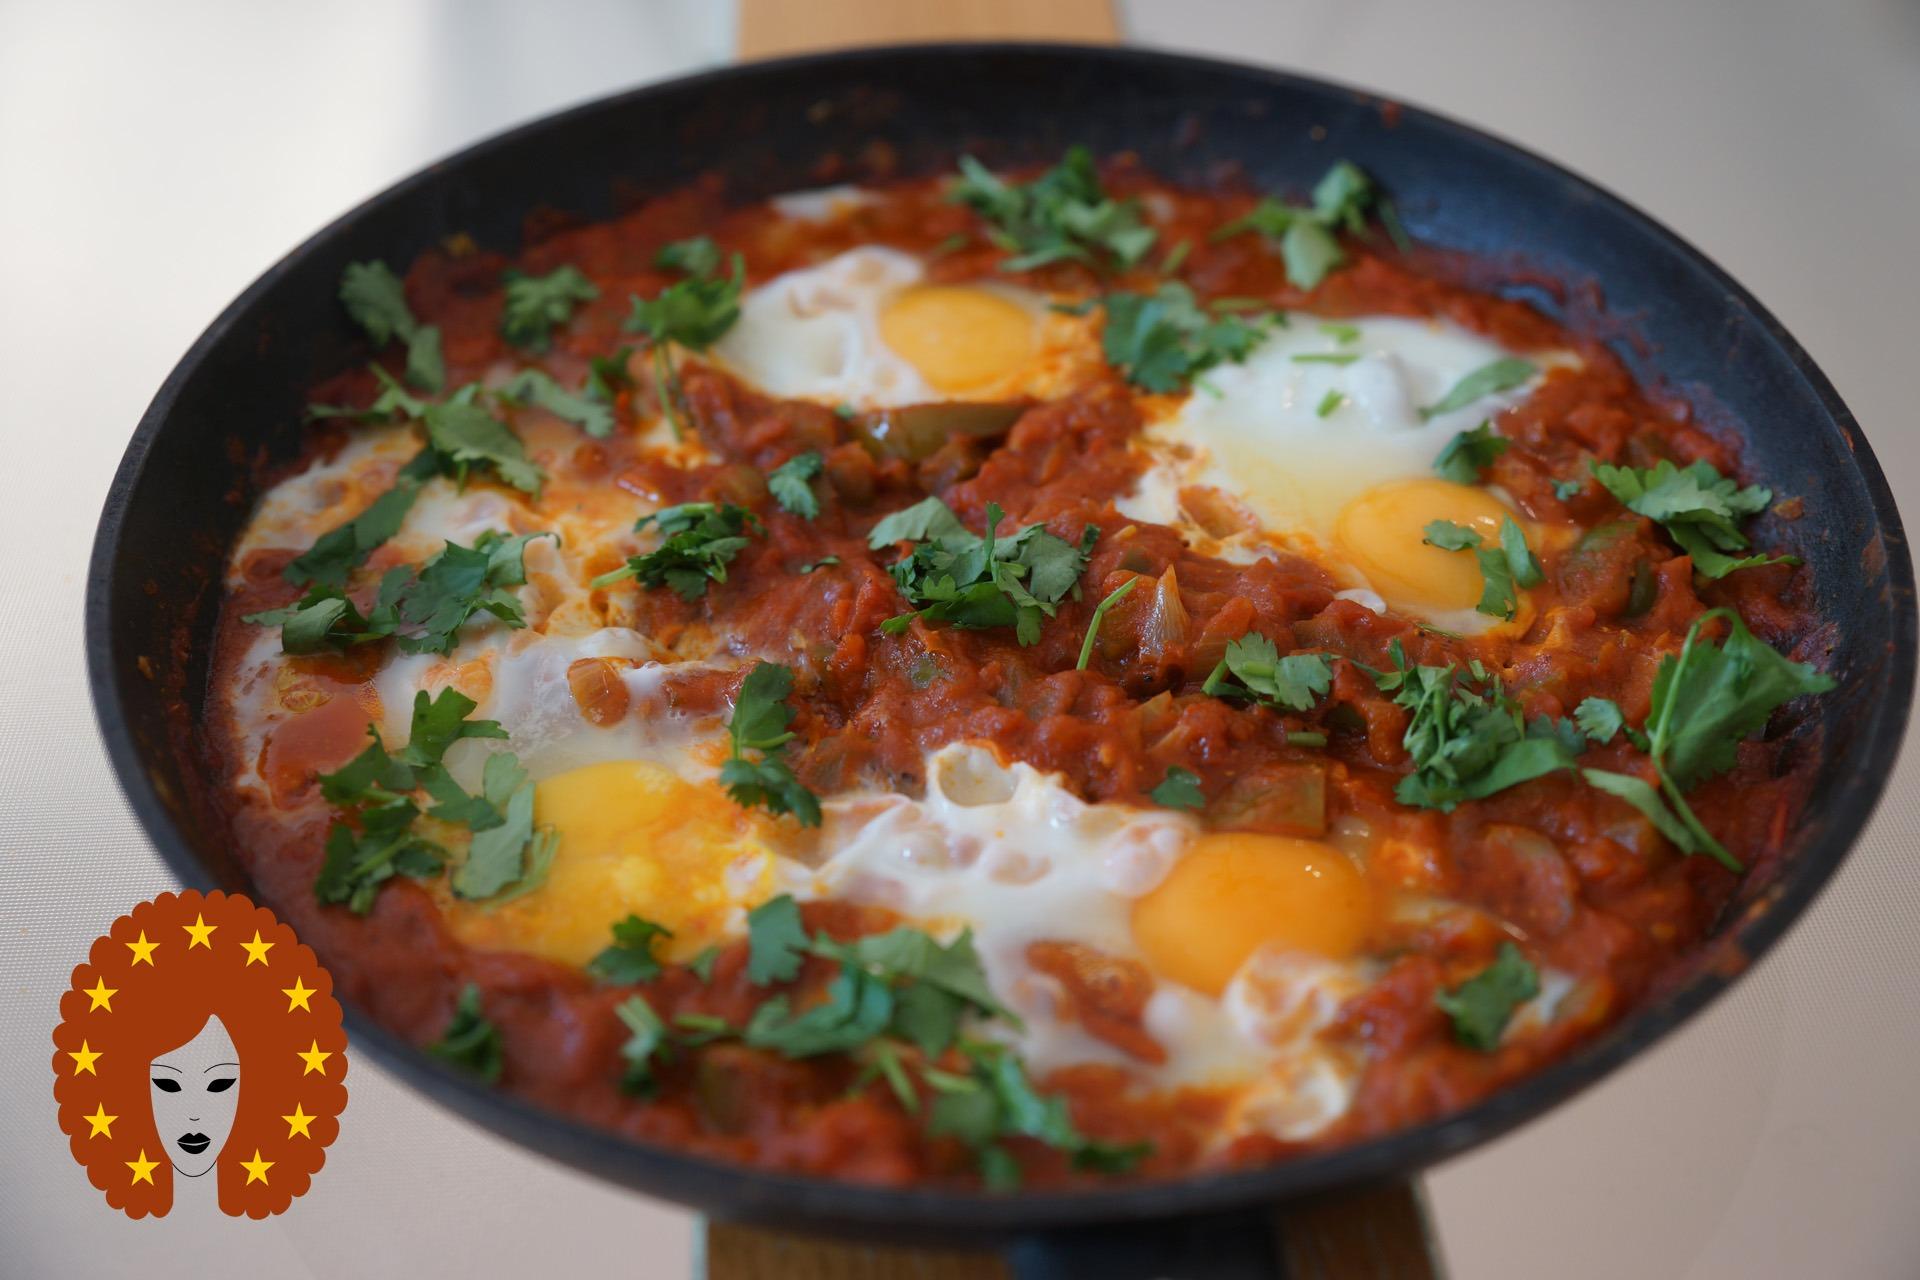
x=1381, y=534
x=958, y=337
x=1235, y=892
x=633, y=838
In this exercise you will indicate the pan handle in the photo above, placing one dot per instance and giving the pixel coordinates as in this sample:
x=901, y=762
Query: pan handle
x=1375, y=1233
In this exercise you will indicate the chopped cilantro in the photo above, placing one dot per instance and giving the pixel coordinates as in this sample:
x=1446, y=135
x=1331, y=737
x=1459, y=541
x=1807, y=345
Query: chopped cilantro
x=377, y=301
x=1306, y=234
x=1467, y=739
x=1118, y=594
x=1565, y=489
x=702, y=965
x=822, y=563
x=788, y=484
x=1489, y=379
x=1482, y=1005
x=1341, y=333
x=698, y=541
x=759, y=724
x=583, y=410
x=336, y=553
x=1469, y=454
x=1176, y=258
x=439, y=722
x=776, y=941
x=1449, y=536
x=977, y=582
x=1162, y=341
x=465, y=435
x=607, y=376
x=1697, y=506
x=697, y=256
x=645, y=1048
x=995, y=1100
x=1180, y=789
x=426, y=607
x=1292, y=683
x=1601, y=718
x=630, y=959
x=536, y=304
x=1061, y=216
x=508, y=854
x=1327, y=357
x=1329, y=403
x=693, y=313
x=1512, y=565
x=470, y=1041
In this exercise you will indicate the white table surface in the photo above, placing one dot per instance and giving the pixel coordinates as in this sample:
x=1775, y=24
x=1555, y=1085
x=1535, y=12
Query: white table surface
x=154, y=158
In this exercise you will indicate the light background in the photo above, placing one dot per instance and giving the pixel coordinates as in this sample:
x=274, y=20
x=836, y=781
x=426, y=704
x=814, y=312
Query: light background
x=155, y=157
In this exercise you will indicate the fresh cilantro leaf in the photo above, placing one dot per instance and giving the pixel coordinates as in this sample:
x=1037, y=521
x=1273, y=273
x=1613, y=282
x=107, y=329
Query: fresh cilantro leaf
x=702, y=964
x=1600, y=719
x=694, y=313
x=320, y=620
x=439, y=722
x=698, y=541
x=630, y=959
x=1449, y=536
x=1114, y=597
x=425, y=607
x=822, y=563
x=759, y=724
x=1697, y=506
x=1180, y=789
x=377, y=301
x=1341, y=333
x=1061, y=216
x=979, y=582
x=698, y=256
x=607, y=376
x=1521, y=561
x=1305, y=234
x=465, y=435
x=996, y=1100
x=1292, y=683
x=1176, y=258
x=1489, y=379
x=788, y=484
x=1469, y=454
x=1306, y=739
x=857, y=1008
x=1646, y=797
x=536, y=304
x=336, y=553
x=646, y=1048
x=1565, y=489
x=776, y=941
x=1711, y=697
x=1327, y=357
x=531, y=386
x=1482, y=1005
x=502, y=856
x=357, y=863
x=1329, y=403
x=1162, y=341
x=470, y=1041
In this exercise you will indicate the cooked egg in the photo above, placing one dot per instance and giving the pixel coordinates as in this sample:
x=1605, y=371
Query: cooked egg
x=633, y=837
x=1382, y=536
x=864, y=328
x=1232, y=893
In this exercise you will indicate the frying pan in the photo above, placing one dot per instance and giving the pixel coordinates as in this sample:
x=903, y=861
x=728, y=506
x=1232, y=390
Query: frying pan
x=1527, y=229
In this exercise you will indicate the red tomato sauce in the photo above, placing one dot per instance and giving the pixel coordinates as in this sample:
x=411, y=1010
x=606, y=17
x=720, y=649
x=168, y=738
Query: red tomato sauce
x=1596, y=891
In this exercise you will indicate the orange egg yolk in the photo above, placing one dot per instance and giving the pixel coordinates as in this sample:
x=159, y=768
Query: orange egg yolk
x=959, y=337
x=1381, y=534
x=1235, y=892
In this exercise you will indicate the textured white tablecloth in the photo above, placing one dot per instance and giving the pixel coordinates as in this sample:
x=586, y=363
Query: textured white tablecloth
x=154, y=158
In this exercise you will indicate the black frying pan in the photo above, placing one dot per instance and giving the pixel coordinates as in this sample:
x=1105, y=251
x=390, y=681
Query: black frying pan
x=186, y=484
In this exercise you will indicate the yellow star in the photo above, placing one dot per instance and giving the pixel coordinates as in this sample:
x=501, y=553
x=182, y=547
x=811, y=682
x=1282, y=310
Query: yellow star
x=256, y=950
x=200, y=933
x=101, y=994
x=102, y=1123
x=142, y=950
x=256, y=1168
x=315, y=1058
x=297, y=996
x=298, y=1122
x=84, y=1059
x=143, y=1168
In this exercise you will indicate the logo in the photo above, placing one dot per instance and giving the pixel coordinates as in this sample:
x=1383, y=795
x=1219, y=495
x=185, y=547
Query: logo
x=200, y=1055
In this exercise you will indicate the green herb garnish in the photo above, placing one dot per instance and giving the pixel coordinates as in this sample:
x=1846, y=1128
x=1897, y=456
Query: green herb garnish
x=1292, y=683
x=1164, y=340
x=630, y=958
x=759, y=725
x=1307, y=234
x=1489, y=379
x=377, y=301
x=698, y=541
x=536, y=305
x=1061, y=216
x=1469, y=454
x=789, y=485
x=1697, y=506
x=592, y=415
x=1180, y=789
x=1482, y=1006
x=977, y=582
x=470, y=1041
x=1118, y=594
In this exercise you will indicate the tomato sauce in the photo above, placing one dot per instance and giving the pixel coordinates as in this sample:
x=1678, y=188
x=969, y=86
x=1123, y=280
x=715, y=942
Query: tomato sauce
x=1599, y=894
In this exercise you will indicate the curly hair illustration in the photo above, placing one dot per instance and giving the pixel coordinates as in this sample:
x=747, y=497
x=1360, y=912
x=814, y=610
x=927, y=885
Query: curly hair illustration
x=200, y=1036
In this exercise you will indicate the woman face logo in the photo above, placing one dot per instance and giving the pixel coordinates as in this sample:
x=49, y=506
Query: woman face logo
x=196, y=1090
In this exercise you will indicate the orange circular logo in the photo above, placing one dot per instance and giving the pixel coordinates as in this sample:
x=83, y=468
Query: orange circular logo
x=200, y=1052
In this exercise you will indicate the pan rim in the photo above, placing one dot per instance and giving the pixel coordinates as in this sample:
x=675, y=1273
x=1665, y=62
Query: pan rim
x=751, y=1193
